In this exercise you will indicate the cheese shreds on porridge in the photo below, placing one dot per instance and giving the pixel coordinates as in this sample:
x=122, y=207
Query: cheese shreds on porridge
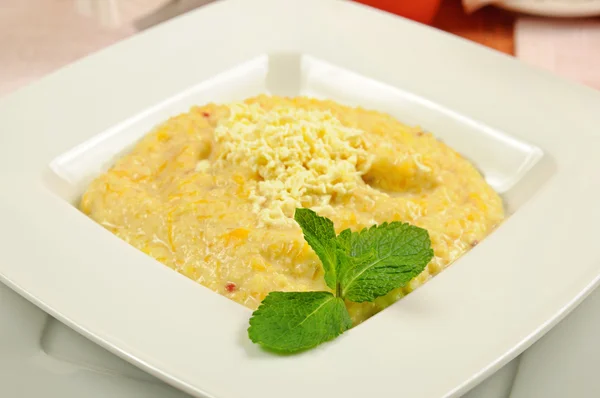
x=303, y=157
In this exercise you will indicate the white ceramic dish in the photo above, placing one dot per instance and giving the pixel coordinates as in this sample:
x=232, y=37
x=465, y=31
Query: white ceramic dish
x=565, y=362
x=554, y=8
x=533, y=135
x=42, y=357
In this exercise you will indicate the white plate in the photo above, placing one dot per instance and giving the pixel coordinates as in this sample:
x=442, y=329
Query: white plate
x=533, y=135
x=554, y=8
x=565, y=362
x=42, y=357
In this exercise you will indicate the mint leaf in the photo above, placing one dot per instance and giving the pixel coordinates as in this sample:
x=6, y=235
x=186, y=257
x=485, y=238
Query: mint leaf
x=344, y=241
x=319, y=233
x=381, y=258
x=289, y=322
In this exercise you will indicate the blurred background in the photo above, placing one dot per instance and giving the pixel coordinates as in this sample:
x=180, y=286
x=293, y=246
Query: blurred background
x=39, y=36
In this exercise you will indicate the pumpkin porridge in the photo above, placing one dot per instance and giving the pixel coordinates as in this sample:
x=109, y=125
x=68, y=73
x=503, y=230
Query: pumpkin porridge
x=211, y=193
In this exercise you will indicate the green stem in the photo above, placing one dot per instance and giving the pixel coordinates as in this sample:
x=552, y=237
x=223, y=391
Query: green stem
x=338, y=290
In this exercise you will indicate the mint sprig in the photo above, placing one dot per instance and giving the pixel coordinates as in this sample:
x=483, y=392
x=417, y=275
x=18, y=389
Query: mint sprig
x=358, y=267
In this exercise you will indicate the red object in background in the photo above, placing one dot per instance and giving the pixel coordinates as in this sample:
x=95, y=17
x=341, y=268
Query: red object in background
x=417, y=10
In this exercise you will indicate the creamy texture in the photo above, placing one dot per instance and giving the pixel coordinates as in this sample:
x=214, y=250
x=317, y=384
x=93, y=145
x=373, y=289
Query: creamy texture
x=210, y=193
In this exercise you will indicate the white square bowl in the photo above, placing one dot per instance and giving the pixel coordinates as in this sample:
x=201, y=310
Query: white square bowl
x=534, y=137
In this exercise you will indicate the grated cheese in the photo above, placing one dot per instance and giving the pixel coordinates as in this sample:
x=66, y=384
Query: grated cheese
x=203, y=166
x=304, y=158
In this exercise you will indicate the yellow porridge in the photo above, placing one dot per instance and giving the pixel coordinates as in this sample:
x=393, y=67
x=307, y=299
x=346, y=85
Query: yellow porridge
x=211, y=193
